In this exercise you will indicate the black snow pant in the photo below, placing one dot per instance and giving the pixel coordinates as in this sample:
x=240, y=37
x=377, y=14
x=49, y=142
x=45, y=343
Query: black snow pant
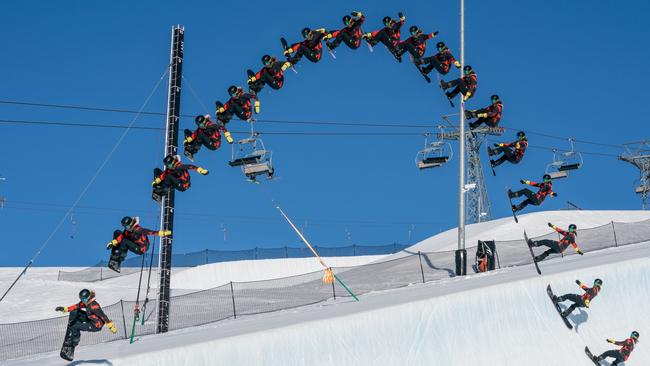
x=78, y=322
x=403, y=47
x=460, y=87
x=350, y=41
x=616, y=355
x=265, y=79
x=433, y=63
x=383, y=37
x=201, y=139
x=119, y=252
x=488, y=121
x=577, y=303
x=509, y=154
x=530, y=199
x=233, y=108
x=169, y=182
x=552, y=244
x=312, y=55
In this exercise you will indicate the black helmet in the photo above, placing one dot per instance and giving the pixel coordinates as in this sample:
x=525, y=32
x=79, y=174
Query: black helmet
x=347, y=19
x=521, y=135
x=546, y=178
x=572, y=228
x=305, y=32
x=266, y=59
x=169, y=161
x=232, y=90
x=598, y=282
x=128, y=221
x=494, y=98
x=199, y=120
x=467, y=69
x=414, y=29
x=635, y=335
x=441, y=46
x=85, y=295
x=387, y=21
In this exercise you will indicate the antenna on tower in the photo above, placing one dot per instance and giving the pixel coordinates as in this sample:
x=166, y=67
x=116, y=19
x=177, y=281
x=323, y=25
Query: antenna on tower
x=638, y=154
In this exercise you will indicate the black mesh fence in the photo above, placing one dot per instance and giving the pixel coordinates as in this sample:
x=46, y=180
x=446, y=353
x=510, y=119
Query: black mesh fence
x=247, y=298
x=100, y=272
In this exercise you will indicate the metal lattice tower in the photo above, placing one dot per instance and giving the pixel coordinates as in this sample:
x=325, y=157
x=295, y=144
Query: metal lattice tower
x=638, y=154
x=477, y=207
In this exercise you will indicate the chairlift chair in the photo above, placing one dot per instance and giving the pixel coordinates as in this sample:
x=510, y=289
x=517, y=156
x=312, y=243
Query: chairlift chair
x=251, y=155
x=434, y=154
x=564, y=162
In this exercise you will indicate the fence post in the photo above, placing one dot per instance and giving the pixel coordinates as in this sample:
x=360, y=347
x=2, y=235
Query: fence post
x=333, y=290
x=614, y=230
x=354, y=250
x=100, y=273
x=232, y=295
x=126, y=336
x=421, y=268
x=286, y=252
x=206, y=257
x=255, y=255
x=394, y=248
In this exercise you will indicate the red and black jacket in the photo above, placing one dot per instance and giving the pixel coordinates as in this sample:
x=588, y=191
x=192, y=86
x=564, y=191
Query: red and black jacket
x=470, y=82
x=419, y=42
x=212, y=130
x=353, y=30
x=275, y=71
x=313, y=43
x=544, y=190
x=590, y=292
x=244, y=101
x=627, y=346
x=520, y=148
x=445, y=58
x=393, y=31
x=568, y=238
x=180, y=172
x=493, y=112
x=137, y=234
x=93, y=311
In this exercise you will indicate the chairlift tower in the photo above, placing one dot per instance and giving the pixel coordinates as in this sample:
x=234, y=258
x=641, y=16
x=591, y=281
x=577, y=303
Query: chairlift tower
x=638, y=154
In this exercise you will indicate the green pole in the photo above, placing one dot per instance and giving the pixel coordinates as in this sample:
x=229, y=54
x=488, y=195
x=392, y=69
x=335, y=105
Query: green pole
x=346, y=287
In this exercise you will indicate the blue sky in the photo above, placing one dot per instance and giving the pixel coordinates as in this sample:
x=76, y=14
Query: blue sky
x=562, y=68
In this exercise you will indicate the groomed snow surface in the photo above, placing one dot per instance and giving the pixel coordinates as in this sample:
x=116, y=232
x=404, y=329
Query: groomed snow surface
x=499, y=318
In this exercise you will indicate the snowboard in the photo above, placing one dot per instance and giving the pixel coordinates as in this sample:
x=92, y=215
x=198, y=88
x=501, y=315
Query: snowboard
x=531, y=252
x=514, y=214
x=115, y=266
x=421, y=70
x=156, y=197
x=370, y=47
x=494, y=173
x=330, y=50
x=442, y=83
x=591, y=356
x=550, y=293
x=189, y=155
x=67, y=353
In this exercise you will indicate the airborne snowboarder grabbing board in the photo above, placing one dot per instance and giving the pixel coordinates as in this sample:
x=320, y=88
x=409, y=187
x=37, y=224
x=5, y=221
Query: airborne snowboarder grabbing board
x=627, y=346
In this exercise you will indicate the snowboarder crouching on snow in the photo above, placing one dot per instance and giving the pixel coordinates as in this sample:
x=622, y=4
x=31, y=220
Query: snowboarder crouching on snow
x=627, y=346
x=535, y=199
x=85, y=316
x=568, y=238
x=133, y=238
x=580, y=301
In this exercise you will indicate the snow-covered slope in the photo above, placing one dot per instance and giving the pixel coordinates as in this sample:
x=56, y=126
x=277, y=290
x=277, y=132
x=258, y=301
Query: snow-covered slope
x=534, y=223
x=499, y=318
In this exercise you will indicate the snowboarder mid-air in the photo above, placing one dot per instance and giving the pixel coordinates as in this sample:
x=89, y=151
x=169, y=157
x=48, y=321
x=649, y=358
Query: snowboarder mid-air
x=350, y=34
x=85, y=316
x=535, y=199
x=441, y=61
x=512, y=152
x=207, y=134
x=389, y=35
x=239, y=104
x=580, y=301
x=132, y=238
x=272, y=74
x=416, y=44
x=490, y=115
x=465, y=85
x=175, y=176
x=627, y=346
x=568, y=238
x=311, y=47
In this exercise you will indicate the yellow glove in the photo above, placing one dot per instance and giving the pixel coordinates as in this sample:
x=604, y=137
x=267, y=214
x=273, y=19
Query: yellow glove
x=610, y=340
x=156, y=181
x=62, y=309
x=501, y=144
x=257, y=106
x=220, y=110
x=457, y=64
x=188, y=140
x=252, y=79
x=228, y=137
x=467, y=96
x=328, y=36
x=320, y=30
x=357, y=14
x=286, y=65
x=587, y=303
x=162, y=233
x=482, y=115
x=202, y=171
x=288, y=51
x=111, y=327
x=111, y=244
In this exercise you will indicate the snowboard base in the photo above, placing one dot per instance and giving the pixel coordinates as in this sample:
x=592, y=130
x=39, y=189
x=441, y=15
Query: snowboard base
x=67, y=353
x=531, y=252
x=551, y=295
x=514, y=214
x=591, y=356
x=115, y=266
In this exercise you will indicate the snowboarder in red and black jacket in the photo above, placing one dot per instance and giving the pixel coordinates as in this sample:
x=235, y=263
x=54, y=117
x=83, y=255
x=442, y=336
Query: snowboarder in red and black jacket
x=465, y=85
x=350, y=34
x=512, y=152
x=134, y=238
x=239, y=104
x=272, y=74
x=175, y=176
x=389, y=35
x=311, y=47
x=558, y=247
x=207, y=134
x=535, y=199
x=490, y=115
x=416, y=44
x=85, y=316
x=580, y=301
x=627, y=346
x=441, y=61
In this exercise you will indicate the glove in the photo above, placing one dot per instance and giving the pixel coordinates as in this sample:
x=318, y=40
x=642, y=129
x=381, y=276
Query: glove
x=327, y=36
x=252, y=79
x=111, y=327
x=287, y=52
x=401, y=16
x=434, y=34
x=550, y=225
x=500, y=144
x=164, y=233
x=586, y=302
x=482, y=115
x=522, y=181
x=61, y=309
x=286, y=65
x=457, y=64
x=228, y=137
x=156, y=181
x=467, y=96
x=610, y=340
x=202, y=171
x=257, y=107
x=578, y=282
x=188, y=140
x=111, y=244
x=580, y=252
x=357, y=14
x=554, y=194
